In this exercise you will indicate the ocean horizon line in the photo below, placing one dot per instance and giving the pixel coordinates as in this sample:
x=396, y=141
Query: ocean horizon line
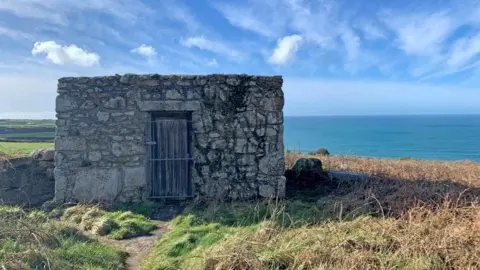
x=373, y=115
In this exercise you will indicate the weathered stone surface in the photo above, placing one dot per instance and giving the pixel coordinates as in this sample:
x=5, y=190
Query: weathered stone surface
x=88, y=105
x=127, y=149
x=96, y=184
x=95, y=156
x=281, y=186
x=43, y=154
x=117, y=103
x=272, y=164
x=70, y=143
x=171, y=105
x=103, y=116
x=266, y=191
x=65, y=104
x=26, y=181
x=236, y=134
x=61, y=182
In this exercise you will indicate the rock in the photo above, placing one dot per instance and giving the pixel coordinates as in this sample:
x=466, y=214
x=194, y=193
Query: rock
x=127, y=149
x=103, y=116
x=65, y=104
x=173, y=94
x=70, y=143
x=321, y=152
x=310, y=166
x=266, y=191
x=115, y=103
x=281, y=185
x=88, y=105
x=306, y=174
x=43, y=154
x=95, y=156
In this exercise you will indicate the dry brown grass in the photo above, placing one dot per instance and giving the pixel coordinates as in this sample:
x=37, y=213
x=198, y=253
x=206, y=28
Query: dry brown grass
x=466, y=172
x=399, y=185
x=446, y=239
x=407, y=214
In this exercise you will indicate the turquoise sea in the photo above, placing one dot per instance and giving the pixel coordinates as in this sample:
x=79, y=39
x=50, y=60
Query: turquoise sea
x=433, y=137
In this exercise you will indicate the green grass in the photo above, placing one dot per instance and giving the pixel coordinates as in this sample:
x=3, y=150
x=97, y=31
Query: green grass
x=27, y=130
x=30, y=240
x=115, y=224
x=270, y=235
x=29, y=135
x=184, y=244
x=22, y=123
x=22, y=148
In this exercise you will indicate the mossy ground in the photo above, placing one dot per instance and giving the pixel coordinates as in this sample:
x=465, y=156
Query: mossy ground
x=32, y=240
x=117, y=224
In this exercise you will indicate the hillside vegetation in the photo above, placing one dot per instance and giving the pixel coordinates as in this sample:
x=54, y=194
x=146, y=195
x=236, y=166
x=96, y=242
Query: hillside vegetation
x=21, y=137
x=18, y=149
x=33, y=240
x=409, y=214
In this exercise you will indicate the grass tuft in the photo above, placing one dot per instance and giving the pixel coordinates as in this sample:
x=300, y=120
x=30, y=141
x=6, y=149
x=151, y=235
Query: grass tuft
x=30, y=240
x=117, y=225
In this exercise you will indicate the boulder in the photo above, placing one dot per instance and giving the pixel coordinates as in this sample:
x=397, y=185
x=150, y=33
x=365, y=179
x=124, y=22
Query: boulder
x=43, y=154
x=322, y=152
x=308, y=167
x=307, y=173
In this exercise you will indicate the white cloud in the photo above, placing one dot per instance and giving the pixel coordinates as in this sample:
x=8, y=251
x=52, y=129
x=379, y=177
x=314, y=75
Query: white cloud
x=286, y=49
x=30, y=9
x=212, y=46
x=180, y=13
x=463, y=50
x=245, y=18
x=15, y=34
x=55, y=11
x=147, y=51
x=371, y=31
x=319, y=24
x=212, y=63
x=61, y=55
x=421, y=33
x=351, y=43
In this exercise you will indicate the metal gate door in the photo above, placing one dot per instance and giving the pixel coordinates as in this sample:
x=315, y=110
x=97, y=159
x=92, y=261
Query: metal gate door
x=169, y=155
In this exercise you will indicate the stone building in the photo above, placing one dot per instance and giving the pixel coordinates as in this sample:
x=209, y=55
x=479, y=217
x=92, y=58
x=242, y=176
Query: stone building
x=134, y=137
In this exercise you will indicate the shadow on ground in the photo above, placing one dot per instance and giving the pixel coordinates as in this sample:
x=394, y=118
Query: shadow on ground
x=329, y=200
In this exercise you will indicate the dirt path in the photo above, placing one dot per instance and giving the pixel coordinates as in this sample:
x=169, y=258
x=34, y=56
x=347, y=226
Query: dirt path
x=137, y=247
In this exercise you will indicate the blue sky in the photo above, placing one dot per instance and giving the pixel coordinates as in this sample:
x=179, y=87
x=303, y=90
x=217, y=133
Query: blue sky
x=337, y=57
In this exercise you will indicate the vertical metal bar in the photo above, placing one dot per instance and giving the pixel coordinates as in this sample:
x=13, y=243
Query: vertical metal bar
x=161, y=163
x=182, y=153
x=188, y=161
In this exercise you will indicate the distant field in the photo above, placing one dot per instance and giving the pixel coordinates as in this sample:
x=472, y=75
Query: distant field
x=12, y=149
x=27, y=130
x=22, y=123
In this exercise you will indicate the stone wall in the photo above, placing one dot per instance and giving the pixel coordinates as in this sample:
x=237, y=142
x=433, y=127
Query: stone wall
x=26, y=181
x=237, y=138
